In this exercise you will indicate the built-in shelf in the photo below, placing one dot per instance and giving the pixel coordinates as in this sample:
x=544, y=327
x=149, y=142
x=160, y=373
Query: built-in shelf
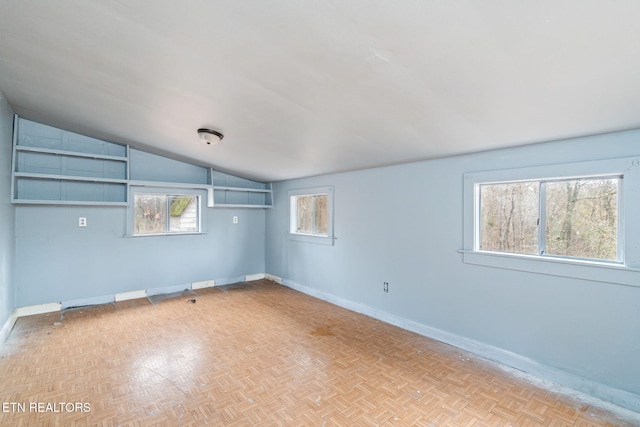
x=233, y=192
x=161, y=184
x=245, y=190
x=68, y=178
x=71, y=202
x=70, y=153
x=52, y=166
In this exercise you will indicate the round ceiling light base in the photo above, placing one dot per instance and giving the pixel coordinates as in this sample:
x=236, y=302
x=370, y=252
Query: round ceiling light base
x=209, y=136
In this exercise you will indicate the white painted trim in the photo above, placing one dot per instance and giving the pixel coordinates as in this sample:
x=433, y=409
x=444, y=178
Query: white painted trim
x=124, y=296
x=615, y=274
x=8, y=326
x=203, y=284
x=273, y=278
x=38, y=309
x=142, y=293
x=563, y=382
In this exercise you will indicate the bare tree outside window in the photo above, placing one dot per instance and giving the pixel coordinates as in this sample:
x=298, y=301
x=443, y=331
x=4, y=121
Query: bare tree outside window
x=509, y=217
x=305, y=214
x=311, y=214
x=580, y=217
x=321, y=215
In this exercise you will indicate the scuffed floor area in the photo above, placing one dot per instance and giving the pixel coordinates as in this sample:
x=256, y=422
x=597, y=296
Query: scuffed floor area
x=257, y=353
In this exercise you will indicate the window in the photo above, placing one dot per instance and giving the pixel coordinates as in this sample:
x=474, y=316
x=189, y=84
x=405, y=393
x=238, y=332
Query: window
x=164, y=212
x=311, y=215
x=563, y=220
x=574, y=218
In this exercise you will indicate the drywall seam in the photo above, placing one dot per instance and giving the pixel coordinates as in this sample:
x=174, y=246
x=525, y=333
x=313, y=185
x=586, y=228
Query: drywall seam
x=563, y=382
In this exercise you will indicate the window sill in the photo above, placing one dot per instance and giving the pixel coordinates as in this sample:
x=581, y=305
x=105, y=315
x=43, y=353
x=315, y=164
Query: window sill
x=195, y=233
x=578, y=269
x=310, y=238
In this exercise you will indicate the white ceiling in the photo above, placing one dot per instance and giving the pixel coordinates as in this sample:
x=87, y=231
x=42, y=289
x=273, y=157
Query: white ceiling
x=302, y=88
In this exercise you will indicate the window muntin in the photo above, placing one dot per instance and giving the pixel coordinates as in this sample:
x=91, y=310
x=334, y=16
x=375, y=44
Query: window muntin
x=569, y=218
x=156, y=213
x=310, y=214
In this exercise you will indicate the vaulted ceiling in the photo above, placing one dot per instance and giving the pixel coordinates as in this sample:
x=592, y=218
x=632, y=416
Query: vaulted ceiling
x=302, y=88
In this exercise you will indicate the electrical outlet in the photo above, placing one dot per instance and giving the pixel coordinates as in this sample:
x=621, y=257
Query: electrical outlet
x=235, y=219
x=385, y=287
x=82, y=222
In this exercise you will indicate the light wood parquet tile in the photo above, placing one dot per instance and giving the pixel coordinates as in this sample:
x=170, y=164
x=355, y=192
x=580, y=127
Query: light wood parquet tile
x=259, y=354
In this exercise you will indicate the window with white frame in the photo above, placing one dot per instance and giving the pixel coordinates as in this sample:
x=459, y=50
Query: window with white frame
x=565, y=220
x=573, y=218
x=158, y=212
x=311, y=214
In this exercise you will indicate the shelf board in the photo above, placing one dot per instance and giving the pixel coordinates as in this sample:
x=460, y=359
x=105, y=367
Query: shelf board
x=222, y=205
x=28, y=149
x=168, y=184
x=66, y=202
x=69, y=178
x=243, y=189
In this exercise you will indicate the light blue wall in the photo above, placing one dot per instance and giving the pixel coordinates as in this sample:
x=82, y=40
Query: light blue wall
x=56, y=261
x=404, y=225
x=7, y=246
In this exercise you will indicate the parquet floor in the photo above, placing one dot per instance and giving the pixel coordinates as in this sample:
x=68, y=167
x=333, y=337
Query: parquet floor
x=257, y=354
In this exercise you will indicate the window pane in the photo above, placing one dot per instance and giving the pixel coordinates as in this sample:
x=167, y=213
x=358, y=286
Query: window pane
x=304, y=214
x=150, y=213
x=321, y=215
x=509, y=217
x=582, y=218
x=183, y=211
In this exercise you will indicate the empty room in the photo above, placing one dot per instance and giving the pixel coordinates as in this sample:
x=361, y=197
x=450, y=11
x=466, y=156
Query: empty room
x=318, y=213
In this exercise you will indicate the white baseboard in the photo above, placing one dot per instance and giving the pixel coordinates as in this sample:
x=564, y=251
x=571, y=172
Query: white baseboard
x=8, y=326
x=567, y=383
x=125, y=296
x=203, y=284
x=273, y=278
x=38, y=309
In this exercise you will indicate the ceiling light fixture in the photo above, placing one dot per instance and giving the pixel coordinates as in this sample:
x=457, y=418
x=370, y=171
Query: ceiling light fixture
x=209, y=136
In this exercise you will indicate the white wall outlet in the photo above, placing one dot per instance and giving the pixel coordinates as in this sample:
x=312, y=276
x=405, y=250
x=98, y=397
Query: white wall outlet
x=82, y=222
x=235, y=219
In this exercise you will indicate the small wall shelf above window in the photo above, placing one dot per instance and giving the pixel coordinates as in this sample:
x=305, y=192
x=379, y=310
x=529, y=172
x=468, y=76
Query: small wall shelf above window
x=233, y=192
x=52, y=166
